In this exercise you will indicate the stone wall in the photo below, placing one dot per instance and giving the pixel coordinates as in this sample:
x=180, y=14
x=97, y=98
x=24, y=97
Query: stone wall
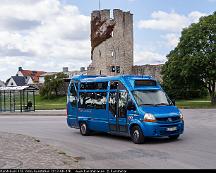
x=152, y=70
x=112, y=42
x=112, y=46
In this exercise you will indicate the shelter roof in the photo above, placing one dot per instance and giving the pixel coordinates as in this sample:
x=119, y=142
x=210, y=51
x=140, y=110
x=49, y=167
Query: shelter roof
x=17, y=88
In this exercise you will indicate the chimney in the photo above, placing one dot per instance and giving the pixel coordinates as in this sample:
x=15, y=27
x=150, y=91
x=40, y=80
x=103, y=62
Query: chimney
x=20, y=69
x=82, y=69
x=65, y=69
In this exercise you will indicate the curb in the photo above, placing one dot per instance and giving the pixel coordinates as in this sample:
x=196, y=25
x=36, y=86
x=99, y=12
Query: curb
x=36, y=113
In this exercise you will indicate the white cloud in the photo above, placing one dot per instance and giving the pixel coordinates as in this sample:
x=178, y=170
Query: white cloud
x=148, y=57
x=171, y=39
x=42, y=35
x=172, y=22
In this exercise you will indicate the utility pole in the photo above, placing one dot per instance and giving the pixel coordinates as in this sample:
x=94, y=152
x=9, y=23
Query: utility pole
x=99, y=5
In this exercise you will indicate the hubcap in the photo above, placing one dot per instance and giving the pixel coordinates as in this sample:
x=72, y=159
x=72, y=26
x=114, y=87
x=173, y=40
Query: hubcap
x=136, y=134
x=83, y=128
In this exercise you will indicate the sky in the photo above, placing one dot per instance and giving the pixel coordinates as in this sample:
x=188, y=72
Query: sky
x=48, y=35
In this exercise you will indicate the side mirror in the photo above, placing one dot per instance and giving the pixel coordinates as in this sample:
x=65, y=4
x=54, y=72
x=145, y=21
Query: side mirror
x=131, y=106
x=173, y=101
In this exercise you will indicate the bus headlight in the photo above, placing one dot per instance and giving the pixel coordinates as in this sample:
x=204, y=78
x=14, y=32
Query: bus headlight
x=181, y=116
x=148, y=117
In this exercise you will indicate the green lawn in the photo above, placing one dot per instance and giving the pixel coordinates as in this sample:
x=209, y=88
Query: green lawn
x=60, y=103
x=195, y=103
x=46, y=104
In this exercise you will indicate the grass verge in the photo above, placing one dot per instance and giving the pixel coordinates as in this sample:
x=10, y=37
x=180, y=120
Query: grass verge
x=195, y=104
x=49, y=104
x=60, y=103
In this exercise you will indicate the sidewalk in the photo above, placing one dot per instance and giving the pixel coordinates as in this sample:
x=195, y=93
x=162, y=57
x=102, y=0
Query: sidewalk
x=37, y=113
x=24, y=152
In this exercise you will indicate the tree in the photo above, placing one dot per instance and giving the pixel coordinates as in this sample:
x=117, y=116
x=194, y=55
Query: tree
x=192, y=64
x=52, y=85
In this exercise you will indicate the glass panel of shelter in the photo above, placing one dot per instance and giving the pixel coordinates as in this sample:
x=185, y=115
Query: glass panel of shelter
x=12, y=100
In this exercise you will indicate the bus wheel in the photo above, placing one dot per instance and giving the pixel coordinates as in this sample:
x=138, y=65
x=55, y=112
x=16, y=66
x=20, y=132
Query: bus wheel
x=84, y=129
x=137, y=135
x=174, y=137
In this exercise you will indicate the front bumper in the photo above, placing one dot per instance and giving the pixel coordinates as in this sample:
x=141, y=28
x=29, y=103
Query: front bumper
x=160, y=129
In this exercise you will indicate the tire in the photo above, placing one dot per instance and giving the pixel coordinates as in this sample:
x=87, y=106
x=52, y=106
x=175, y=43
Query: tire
x=174, y=137
x=137, y=135
x=84, y=129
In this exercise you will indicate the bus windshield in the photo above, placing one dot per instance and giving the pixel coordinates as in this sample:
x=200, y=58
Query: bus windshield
x=151, y=98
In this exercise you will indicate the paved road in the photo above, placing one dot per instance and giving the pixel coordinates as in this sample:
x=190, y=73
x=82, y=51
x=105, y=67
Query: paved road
x=196, y=148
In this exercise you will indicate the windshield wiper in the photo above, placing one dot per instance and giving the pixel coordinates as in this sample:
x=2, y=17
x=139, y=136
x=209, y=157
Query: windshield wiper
x=146, y=104
x=162, y=104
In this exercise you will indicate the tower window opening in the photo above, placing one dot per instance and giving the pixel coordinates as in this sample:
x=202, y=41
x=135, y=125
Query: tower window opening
x=112, y=54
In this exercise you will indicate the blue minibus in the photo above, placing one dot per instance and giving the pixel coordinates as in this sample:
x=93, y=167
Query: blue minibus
x=134, y=106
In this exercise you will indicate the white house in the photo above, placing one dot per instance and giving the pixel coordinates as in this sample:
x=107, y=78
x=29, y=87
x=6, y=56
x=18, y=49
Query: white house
x=15, y=81
x=2, y=84
x=65, y=71
x=31, y=77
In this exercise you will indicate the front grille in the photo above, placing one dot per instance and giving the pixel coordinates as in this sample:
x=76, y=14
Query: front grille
x=169, y=119
x=164, y=132
x=163, y=129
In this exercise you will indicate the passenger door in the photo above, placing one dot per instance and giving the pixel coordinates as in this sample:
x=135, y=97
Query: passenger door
x=118, y=97
x=72, y=105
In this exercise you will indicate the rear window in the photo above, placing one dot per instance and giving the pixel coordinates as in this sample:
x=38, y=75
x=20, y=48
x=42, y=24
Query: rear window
x=94, y=86
x=141, y=83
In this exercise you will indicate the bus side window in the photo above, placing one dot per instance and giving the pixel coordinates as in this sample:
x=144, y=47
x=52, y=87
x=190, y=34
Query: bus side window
x=93, y=86
x=114, y=85
x=123, y=103
x=100, y=100
x=101, y=85
x=73, y=96
x=86, y=100
x=112, y=103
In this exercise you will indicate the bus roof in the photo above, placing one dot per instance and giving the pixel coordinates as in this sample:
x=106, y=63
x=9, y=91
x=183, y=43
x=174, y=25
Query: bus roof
x=99, y=78
x=128, y=80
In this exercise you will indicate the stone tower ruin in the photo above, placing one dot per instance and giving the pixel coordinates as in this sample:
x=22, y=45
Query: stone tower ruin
x=111, y=43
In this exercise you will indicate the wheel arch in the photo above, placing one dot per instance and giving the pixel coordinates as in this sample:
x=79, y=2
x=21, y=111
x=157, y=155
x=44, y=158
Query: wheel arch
x=135, y=124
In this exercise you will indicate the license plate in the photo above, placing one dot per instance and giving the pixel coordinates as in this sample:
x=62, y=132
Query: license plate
x=170, y=129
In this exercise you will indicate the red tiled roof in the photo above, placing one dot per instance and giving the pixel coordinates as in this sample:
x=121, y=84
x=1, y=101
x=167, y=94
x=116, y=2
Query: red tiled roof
x=33, y=74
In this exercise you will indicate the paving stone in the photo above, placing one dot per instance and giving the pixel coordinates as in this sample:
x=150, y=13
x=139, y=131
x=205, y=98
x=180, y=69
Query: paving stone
x=24, y=152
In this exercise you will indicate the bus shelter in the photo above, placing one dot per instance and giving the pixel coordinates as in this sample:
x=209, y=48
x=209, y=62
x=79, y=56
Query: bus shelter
x=20, y=98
